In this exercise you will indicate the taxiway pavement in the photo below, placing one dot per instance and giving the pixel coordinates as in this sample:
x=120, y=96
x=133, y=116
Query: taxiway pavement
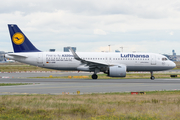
x=85, y=86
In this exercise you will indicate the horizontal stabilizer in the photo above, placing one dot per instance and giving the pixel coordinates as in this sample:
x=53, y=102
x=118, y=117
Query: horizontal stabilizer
x=17, y=55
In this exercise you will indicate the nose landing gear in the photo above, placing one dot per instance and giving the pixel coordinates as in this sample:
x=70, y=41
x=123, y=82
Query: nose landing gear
x=152, y=77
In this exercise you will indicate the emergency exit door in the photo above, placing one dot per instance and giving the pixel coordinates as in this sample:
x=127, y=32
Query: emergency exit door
x=153, y=60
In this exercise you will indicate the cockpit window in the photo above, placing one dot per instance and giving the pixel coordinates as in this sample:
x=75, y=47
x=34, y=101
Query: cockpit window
x=164, y=59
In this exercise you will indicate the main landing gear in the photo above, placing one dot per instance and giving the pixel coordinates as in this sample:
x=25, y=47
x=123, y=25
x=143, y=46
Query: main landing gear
x=94, y=76
x=152, y=77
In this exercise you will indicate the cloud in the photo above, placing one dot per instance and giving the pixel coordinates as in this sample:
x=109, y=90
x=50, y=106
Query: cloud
x=99, y=32
x=145, y=9
x=171, y=33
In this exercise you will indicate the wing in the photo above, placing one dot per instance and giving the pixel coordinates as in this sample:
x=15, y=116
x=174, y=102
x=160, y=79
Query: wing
x=92, y=64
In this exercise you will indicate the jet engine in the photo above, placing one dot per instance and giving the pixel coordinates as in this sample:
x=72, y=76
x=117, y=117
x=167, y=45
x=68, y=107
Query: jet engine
x=117, y=71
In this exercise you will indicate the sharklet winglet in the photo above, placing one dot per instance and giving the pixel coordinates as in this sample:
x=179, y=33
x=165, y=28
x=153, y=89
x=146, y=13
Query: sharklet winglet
x=74, y=54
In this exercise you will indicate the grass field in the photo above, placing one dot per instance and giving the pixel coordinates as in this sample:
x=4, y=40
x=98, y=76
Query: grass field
x=11, y=84
x=114, y=106
x=14, y=67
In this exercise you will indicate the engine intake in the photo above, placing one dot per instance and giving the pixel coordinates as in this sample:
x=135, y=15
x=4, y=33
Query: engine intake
x=117, y=71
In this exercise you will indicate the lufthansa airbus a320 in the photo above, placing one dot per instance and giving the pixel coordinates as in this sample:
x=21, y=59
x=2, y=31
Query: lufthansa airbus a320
x=113, y=64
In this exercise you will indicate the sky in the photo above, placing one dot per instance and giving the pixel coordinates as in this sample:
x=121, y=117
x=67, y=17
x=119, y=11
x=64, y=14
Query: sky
x=94, y=25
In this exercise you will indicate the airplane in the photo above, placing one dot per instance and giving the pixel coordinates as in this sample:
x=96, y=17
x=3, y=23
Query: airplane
x=112, y=64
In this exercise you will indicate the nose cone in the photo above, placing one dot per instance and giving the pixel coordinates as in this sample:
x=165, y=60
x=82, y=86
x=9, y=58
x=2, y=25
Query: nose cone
x=172, y=65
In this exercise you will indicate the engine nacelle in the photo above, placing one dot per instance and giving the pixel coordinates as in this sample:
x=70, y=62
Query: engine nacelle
x=117, y=71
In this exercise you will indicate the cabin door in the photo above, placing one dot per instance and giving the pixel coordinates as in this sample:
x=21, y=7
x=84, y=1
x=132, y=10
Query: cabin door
x=40, y=58
x=153, y=60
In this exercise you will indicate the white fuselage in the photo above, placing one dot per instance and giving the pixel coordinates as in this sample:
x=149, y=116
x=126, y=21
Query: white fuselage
x=66, y=61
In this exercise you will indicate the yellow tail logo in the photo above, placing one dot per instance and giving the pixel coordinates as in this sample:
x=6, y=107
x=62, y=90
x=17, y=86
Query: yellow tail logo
x=18, y=38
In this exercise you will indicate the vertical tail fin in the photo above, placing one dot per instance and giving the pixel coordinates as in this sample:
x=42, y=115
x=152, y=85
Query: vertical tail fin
x=19, y=41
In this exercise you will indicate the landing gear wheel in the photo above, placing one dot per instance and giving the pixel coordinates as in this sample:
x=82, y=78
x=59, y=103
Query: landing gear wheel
x=152, y=77
x=94, y=76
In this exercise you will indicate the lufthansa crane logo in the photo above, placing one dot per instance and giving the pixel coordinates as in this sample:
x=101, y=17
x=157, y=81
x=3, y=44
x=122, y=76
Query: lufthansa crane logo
x=18, y=38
